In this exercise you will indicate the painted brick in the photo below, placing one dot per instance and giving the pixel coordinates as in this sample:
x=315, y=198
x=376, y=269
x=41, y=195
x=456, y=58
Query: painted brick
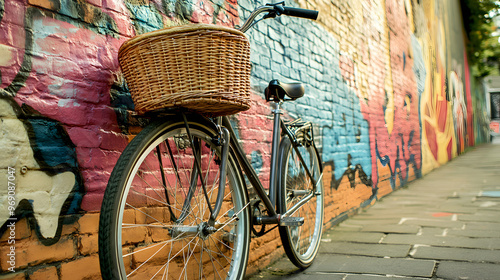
x=9, y=56
x=113, y=141
x=103, y=117
x=53, y=45
x=95, y=2
x=87, y=244
x=13, y=276
x=92, y=201
x=67, y=69
x=82, y=268
x=45, y=273
x=95, y=158
x=89, y=223
x=16, y=13
x=32, y=252
x=84, y=137
x=96, y=179
x=22, y=231
x=70, y=112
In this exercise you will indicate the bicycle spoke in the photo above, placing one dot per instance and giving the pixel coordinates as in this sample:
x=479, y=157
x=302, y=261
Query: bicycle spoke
x=146, y=261
x=145, y=213
x=213, y=264
x=164, y=230
x=234, y=217
x=302, y=198
x=225, y=245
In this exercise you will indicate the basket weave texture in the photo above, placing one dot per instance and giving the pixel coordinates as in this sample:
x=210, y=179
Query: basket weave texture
x=204, y=68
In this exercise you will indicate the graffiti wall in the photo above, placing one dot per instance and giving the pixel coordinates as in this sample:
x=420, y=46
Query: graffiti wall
x=388, y=88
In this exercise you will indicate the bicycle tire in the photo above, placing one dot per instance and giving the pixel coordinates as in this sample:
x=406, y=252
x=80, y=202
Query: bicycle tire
x=136, y=218
x=301, y=243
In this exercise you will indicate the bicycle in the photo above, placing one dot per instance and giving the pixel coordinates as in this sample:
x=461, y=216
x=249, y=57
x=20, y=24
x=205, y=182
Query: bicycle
x=177, y=203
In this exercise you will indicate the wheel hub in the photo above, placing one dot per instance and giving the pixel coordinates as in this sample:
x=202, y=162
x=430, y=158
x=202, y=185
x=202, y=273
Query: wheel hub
x=203, y=231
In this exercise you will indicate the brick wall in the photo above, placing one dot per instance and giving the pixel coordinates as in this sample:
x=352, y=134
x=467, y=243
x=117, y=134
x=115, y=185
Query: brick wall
x=388, y=89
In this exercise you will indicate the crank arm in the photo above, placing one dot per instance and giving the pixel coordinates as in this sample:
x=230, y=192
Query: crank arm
x=303, y=200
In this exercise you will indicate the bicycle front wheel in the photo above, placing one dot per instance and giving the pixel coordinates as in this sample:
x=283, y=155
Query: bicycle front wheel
x=153, y=222
x=301, y=243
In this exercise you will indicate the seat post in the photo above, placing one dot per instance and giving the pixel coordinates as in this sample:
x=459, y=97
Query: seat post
x=273, y=188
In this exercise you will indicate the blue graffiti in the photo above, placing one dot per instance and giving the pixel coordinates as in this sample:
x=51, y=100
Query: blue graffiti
x=418, y=64
x=257, y=162
x=290, y=49
x=54, y=151
x=146, y=18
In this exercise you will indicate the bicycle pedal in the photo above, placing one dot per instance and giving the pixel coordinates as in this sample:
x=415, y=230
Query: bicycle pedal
x=292, y=221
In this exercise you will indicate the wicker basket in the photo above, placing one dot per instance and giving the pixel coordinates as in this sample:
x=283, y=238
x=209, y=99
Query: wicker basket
x=204, y=68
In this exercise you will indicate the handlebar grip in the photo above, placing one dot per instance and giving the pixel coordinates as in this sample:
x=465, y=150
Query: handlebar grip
x=302, y=13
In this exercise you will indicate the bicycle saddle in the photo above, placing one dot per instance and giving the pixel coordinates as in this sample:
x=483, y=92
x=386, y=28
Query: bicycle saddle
x=277, y=91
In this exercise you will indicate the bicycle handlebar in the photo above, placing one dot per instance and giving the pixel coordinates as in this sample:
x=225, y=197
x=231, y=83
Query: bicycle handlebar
x=298, y=12
x=249, y=22
x=277, y=9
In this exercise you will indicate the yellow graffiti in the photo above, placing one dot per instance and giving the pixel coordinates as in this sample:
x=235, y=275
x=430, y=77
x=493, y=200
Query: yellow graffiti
x=436, y=111
x=6, y=55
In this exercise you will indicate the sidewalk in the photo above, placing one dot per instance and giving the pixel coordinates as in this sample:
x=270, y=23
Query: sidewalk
x=444, y=226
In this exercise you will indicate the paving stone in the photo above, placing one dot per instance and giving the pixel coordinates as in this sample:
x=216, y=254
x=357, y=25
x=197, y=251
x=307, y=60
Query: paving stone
x=488, y=210
x=388, y=214
x=456, y=254
x=348, y=228
x=482, y=217
x=363, y=249
x=474, y=233
x=483, y=226
x=487, y=204
x=409, y=199
x=284, y=269
x=391, y=228
x=443, y=241
x=370, y=221
x=426, y=231
x=279, y=269
x=463, y=270
x=372, y=265
x=318, y=276
x=457, y=209
x=433, y=223
x=376, y=277
x=363, y=237
x=392, y=213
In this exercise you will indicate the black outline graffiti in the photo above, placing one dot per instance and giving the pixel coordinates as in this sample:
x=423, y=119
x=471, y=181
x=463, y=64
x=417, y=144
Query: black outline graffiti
x=24, y=209
x=106, y=25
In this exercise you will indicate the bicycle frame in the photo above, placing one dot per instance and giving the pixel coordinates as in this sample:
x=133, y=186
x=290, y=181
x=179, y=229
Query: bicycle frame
x=270, y=201
x=170, y=175
x=227, y=132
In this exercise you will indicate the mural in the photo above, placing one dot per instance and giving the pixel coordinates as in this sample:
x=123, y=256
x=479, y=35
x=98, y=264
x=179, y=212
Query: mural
x=334, y=108
x=48, y=184
x=446, y=104
x=388, y=88
x=404, y=155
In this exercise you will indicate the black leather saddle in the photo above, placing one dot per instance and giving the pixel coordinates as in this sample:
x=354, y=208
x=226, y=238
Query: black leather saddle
x=277, y=91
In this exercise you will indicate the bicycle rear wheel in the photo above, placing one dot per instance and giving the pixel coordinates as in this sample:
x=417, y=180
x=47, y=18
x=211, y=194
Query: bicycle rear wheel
x=153, y=222
x=301, y=243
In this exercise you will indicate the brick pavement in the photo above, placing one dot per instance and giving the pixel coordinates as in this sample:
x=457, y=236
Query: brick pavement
x=444, y=226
